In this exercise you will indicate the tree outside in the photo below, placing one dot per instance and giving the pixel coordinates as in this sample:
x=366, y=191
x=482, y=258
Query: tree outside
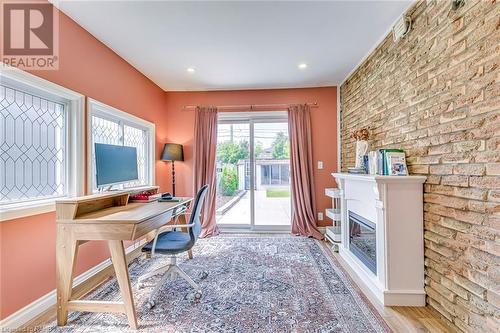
x=231, y=152
x=229, y=180
x=281, y=148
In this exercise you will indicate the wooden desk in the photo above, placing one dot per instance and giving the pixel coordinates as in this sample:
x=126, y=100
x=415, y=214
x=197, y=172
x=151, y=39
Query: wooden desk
x=107, y=217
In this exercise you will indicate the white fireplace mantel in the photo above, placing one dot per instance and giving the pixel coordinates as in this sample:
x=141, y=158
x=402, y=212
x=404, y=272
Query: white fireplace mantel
x=395, y=205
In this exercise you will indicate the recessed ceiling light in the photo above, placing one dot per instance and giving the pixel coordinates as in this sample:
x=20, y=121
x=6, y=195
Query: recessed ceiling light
x=190, y=70
x=302, y=66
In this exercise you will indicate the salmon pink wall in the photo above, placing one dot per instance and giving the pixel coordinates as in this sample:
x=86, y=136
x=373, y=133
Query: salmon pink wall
x=180, y=128
x=27, y=247
x=27, y=258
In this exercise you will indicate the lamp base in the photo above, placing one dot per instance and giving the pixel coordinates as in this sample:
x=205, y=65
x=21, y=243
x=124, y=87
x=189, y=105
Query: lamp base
x=173, y=178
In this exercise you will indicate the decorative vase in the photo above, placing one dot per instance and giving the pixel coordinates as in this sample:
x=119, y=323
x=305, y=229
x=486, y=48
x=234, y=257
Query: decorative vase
x=361, y=150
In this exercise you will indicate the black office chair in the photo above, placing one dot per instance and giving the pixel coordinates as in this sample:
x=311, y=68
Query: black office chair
x=173, y=242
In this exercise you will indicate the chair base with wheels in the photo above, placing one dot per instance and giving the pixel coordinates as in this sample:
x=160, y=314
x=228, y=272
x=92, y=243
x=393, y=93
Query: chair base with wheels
x=170, y=271
x=171, y=243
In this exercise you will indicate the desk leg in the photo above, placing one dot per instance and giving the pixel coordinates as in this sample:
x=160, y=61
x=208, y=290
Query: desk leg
x=182, y=219
x=121, y=269
x=66, y=252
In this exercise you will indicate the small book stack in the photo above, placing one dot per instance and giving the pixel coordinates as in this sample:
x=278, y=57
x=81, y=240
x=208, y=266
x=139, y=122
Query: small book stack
x=356, y=170
x=387, y=162
x=146, y=196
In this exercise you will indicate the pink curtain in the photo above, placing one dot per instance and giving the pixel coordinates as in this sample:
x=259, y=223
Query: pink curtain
x=301, y=172
x=205, y=148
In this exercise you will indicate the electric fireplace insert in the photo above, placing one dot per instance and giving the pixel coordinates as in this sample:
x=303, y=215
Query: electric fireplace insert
x=363, y=240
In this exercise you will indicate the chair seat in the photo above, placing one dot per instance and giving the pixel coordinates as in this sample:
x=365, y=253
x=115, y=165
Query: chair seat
x=170, y=242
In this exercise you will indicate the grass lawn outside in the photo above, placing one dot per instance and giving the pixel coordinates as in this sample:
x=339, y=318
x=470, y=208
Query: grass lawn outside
x=277, y=193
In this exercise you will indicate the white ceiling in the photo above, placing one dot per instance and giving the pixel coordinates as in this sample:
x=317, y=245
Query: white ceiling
x=236, y=44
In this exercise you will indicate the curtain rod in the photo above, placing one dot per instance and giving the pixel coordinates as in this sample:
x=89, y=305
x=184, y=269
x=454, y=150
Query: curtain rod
x=251, y=106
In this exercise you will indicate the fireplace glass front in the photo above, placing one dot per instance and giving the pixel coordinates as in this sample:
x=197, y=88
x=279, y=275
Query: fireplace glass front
x=362, y=240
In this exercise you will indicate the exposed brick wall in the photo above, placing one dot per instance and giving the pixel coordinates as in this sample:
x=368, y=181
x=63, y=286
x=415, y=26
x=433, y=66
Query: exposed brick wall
x=436, y=94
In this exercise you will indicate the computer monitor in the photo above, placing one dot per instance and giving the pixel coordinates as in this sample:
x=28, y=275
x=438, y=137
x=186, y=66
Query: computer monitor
x=115, y=164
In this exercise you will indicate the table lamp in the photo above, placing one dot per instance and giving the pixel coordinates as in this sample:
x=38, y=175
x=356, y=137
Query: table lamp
x=172, y=152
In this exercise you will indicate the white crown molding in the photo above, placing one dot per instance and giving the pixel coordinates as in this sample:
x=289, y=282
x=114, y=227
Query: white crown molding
x=379, y=41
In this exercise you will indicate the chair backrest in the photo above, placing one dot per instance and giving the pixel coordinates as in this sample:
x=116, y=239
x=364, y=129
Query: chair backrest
x=194, y=232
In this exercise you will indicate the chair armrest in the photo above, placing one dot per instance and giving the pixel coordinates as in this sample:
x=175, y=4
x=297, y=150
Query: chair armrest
x=175, y=226
x=183, y=212
x=176, y=217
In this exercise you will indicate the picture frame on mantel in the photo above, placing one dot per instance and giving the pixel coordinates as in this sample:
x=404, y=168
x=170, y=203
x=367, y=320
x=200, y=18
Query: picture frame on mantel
x=396, y=164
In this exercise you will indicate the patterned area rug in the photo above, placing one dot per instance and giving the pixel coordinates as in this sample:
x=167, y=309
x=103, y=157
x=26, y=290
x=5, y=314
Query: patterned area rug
x=255, y=284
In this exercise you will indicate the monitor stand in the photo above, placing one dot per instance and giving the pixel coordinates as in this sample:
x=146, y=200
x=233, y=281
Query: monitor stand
x=106, y=189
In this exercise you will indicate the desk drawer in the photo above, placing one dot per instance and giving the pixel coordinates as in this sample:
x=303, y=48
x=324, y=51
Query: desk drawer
x=151, y=224
x=99, y=231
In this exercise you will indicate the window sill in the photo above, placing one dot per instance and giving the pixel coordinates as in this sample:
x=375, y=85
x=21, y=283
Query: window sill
x=11, y=212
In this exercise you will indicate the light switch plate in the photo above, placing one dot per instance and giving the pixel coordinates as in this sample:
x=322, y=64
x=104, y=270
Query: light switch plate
x=320, y=165
x=320, y=216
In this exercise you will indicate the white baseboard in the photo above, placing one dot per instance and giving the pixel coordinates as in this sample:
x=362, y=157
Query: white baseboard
x=404, y=298
x=39, y=306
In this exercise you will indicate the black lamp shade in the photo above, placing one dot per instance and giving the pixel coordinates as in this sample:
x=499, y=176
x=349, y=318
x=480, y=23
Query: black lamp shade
x=172, y=152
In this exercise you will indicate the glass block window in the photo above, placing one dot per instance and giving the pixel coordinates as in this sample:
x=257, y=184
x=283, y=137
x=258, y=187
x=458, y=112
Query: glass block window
x=33, y=147
x=110, y=130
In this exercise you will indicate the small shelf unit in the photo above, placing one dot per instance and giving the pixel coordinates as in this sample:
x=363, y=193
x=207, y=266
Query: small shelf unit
x=333, y=214
x=333, y=233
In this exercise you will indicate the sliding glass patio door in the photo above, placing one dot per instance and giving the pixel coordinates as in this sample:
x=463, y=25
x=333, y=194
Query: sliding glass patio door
x=253, y=171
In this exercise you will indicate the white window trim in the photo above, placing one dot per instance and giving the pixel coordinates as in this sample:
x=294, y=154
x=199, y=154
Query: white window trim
x=76, y=142
x=99, y=108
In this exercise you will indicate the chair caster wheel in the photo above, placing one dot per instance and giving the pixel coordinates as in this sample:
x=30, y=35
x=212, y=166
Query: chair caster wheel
x=204, y=275
x=150, y=304
x=197, y=296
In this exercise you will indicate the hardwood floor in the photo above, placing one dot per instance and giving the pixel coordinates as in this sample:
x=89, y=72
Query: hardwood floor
x=400, y=319
x=403, y=319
